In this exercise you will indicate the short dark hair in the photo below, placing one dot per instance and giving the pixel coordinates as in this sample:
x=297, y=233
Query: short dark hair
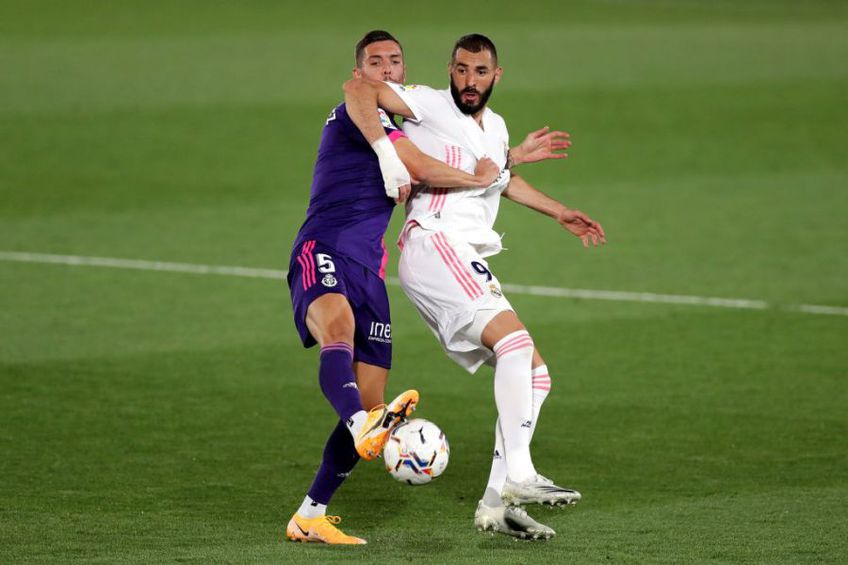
x=475, y=43
x=372, y=37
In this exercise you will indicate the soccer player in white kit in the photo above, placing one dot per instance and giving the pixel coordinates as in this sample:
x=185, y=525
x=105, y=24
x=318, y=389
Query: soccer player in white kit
x=445, y=240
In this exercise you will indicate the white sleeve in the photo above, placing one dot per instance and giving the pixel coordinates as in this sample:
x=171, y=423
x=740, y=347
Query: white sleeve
x=504, y=129
x=420, y=99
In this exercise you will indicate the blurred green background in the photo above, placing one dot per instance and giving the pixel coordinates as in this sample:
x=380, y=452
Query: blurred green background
x=160, y=417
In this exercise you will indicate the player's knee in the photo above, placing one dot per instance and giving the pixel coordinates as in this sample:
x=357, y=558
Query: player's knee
x=338, y=329
x=331, y=321
x=503, y=324
x=518, y=346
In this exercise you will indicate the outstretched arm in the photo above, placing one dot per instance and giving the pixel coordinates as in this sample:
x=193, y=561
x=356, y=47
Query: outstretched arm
x=575, y=221
x=540, y=145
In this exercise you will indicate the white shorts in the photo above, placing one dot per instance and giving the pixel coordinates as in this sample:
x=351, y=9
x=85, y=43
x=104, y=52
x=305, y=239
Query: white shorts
x=454, y=291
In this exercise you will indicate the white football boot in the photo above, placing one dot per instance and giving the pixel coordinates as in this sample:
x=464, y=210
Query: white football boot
x=510, y=520
x=538, y=490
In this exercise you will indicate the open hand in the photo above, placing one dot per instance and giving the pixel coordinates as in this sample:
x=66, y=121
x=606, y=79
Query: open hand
x=583, y=227
x=540, y=145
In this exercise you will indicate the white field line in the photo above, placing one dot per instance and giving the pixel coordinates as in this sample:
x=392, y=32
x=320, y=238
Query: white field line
x=557, y=292
x=195, y=269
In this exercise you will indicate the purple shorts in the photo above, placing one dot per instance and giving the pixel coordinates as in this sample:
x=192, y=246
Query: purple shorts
x=315, y=270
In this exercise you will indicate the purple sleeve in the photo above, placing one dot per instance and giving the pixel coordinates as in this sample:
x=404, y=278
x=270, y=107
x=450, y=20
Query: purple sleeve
x=350, y=129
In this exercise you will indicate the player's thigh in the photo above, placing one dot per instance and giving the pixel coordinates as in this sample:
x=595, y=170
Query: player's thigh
x=448, y=281
x=318, y=281
x=330, y=319
x=438, y=274
x=371, y=380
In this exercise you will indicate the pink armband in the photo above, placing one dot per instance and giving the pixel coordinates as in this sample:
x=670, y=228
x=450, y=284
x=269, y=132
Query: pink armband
x=395, y=135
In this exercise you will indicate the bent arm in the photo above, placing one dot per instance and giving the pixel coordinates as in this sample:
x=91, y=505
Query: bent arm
x=433, y=172
x=363, y=96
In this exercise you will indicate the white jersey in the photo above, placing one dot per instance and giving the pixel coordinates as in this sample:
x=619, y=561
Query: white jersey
x=443, y=132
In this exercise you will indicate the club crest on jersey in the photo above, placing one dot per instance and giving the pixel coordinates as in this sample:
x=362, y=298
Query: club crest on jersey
x=329, y=281
x=385, y=120
x=493, y=288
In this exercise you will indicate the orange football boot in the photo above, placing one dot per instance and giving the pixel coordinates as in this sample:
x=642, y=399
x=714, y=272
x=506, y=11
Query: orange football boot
x=380, y=422
x=320, y=530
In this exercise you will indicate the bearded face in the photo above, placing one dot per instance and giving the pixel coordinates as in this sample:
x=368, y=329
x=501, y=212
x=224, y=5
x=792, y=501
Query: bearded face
x=470, y=100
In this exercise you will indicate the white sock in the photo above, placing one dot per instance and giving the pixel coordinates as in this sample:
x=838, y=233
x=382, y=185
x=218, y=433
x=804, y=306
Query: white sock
x=355, y=423
x=541, y=388
x=497, y=475
x=311, y=509
x=514, y=399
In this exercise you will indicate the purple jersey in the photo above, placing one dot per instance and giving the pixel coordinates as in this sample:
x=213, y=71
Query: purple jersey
x=348, y=207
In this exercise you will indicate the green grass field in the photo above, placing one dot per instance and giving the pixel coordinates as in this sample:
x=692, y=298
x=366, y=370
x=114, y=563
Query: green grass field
x=151, y=417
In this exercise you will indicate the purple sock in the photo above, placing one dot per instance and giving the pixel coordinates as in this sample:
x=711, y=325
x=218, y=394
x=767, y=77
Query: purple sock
x=335, y=374
x=339, y=459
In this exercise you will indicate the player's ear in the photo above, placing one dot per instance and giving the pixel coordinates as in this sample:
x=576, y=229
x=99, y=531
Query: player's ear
x=357, y=73
x=498, y=73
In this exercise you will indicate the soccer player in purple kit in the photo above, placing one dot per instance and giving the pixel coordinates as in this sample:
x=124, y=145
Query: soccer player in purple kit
x=336, y=274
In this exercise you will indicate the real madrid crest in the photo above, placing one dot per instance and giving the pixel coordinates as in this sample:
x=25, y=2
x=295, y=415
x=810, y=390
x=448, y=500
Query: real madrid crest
x=329, y=280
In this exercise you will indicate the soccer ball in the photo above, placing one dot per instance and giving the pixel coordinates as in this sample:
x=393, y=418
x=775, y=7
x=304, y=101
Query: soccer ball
x=417, y=452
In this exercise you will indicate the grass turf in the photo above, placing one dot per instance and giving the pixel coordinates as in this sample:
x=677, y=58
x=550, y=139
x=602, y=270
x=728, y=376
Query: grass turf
x=152, y=417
